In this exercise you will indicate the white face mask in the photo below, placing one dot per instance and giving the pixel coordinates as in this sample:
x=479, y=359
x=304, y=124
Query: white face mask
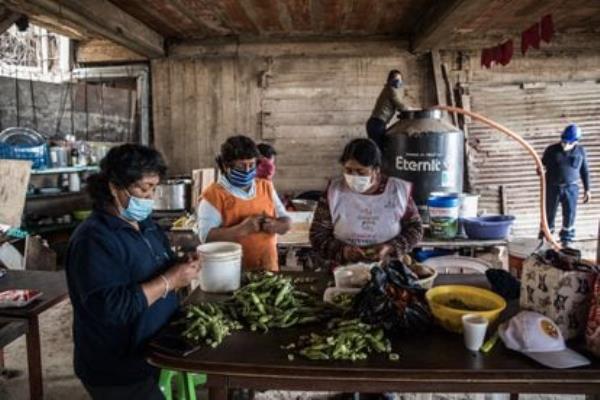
x=568, y=146
x=357, y=183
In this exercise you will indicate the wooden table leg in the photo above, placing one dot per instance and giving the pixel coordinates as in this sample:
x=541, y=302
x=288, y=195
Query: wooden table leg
x=218, y=387
x=218, y=393
x=34, y=360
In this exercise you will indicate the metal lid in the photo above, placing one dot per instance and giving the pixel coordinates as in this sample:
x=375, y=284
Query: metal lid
x=420, y=114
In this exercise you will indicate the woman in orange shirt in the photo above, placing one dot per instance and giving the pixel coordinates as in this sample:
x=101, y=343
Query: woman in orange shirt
x=242, y=208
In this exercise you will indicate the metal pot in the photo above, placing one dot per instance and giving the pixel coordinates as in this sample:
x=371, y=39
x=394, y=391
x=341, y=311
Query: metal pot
x=172, y=195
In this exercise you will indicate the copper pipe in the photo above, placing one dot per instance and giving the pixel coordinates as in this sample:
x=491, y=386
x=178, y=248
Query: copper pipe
x=530, y=150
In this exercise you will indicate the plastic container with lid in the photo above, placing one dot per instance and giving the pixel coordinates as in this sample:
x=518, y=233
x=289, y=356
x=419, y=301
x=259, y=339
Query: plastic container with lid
x=443, y=216
x=221, y=266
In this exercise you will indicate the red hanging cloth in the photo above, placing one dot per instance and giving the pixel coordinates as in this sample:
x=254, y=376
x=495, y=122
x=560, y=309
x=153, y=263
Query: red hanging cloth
x=530, y=38
x=547, y=28
x=507, y=51
x=497, y=58
x=486, y=58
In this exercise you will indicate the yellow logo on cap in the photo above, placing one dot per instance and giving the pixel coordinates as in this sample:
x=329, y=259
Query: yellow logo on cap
x=549, y=328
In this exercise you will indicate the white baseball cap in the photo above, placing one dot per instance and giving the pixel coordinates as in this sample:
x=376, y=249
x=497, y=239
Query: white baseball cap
x=539, y=338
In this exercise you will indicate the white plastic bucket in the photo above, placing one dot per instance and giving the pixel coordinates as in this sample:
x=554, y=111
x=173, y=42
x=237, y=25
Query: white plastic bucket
x=469, y=204
x=518, y=250
x=221, y=266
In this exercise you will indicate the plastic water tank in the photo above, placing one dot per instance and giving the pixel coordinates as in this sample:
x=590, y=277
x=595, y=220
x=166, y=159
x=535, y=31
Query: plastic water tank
x=423, y=149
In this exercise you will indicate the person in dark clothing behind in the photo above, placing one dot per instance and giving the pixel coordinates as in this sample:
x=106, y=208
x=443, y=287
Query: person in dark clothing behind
x=388, y=102
x=565, y=163
x=121, y=276
x=265, y=167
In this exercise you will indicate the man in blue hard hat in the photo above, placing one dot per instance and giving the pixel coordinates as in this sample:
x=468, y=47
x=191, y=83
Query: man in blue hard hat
x=565, y=164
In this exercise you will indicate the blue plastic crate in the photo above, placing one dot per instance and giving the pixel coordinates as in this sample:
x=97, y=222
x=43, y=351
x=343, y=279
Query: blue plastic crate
x=38, y=155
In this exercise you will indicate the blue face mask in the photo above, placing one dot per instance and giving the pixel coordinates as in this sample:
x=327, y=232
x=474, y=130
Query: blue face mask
x=240, y=178
x=397, y=83
x=138, y=209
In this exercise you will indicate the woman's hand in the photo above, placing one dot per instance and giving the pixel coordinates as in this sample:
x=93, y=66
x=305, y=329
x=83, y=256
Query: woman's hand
x=181, y=275
x=353, y=254
x=379, y=252
x=275, y=226
x=250, y=225
x=384, y=251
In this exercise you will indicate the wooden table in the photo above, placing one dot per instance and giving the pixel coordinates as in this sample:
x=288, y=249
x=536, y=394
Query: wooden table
x=300, y=240
x=54, y=288
x=437, y=362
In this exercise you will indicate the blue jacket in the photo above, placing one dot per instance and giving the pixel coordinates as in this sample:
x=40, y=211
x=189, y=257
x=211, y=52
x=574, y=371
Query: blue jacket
x=566, y=167
x=107, y=261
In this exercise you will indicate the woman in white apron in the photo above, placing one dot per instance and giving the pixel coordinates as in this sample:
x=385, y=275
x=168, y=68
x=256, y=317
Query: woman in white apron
x=365, y=215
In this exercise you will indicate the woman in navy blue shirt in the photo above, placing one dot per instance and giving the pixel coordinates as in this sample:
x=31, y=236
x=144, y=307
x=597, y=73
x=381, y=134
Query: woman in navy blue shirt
x=122, y=276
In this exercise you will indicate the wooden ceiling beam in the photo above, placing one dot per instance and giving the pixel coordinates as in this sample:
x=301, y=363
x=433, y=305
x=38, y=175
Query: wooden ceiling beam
x=439, y=24
x=102, y=51
x=7, y=18
x=99, y=18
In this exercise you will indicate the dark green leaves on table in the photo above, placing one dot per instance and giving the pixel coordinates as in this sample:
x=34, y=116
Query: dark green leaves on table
x=349, y=340
x=208, y=323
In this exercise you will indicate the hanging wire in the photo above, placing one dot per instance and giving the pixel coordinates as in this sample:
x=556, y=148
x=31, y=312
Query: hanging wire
x=85, y=102
x=17, y=98
x=71, y=88
x=61, y=110
x=130, y=118
x=34, y=114
x=102, y=108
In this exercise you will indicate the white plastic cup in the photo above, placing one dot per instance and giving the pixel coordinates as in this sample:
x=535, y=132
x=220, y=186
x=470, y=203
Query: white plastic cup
x=474, y=329
x=221, y=266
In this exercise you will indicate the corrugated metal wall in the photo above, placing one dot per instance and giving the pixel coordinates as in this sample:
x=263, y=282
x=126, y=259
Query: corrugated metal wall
x=539, y=114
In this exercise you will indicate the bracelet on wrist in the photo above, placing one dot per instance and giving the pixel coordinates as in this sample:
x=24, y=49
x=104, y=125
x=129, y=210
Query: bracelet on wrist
x=167, y=285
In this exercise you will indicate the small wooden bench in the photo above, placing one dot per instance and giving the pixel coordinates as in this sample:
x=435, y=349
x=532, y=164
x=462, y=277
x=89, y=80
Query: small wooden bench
x=10, y=330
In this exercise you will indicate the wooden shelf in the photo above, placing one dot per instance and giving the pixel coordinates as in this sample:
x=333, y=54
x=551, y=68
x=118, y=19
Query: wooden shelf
x=65, y=170
x=41, y=229
x=45, y=196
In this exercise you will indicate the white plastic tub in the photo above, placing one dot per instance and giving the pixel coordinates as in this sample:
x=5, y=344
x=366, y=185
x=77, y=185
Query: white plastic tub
x=353, y=275
x=221, y=266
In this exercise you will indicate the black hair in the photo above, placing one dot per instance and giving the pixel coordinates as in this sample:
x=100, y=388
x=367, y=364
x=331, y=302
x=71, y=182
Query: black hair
x=236, y=148
x=365, y=151
x=392, y=73
x=123, y=166
x=266, y=150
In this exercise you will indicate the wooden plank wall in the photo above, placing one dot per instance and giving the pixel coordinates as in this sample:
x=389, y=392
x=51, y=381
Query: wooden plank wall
x=88, y=111
x=306, y=100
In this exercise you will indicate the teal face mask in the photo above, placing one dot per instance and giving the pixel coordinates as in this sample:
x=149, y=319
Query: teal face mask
x=138, y=209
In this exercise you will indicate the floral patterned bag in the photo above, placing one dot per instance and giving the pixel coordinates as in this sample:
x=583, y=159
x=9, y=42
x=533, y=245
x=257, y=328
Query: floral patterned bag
x=562, y=295
x=592, y=333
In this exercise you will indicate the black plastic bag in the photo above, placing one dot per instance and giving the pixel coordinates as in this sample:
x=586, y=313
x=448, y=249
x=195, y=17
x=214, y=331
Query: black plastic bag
x=394, y=300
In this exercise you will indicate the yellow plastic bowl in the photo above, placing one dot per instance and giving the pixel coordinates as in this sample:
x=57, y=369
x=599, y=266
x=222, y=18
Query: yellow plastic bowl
x=478, y=301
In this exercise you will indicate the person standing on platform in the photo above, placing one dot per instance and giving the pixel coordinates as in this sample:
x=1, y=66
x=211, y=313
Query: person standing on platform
x=565, y=163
